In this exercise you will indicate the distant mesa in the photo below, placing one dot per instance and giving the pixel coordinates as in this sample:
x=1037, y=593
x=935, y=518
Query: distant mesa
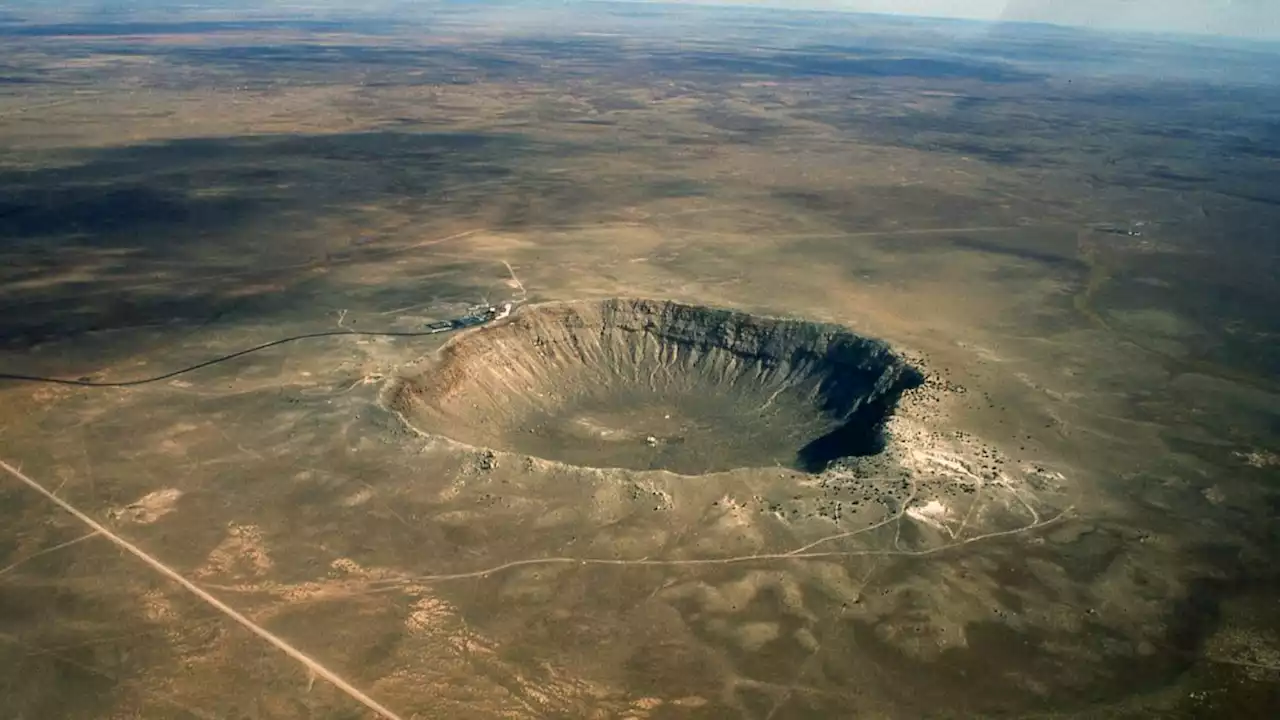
x=657, y=385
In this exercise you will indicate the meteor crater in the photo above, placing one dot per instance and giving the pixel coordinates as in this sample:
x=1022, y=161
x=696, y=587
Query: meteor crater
x=658, y=385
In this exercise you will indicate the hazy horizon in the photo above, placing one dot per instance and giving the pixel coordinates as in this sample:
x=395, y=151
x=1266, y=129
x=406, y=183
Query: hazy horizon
x=1232, y=18
x=1256, y=19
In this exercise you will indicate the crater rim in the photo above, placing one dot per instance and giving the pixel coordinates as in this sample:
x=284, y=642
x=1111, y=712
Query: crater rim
x=841, y=387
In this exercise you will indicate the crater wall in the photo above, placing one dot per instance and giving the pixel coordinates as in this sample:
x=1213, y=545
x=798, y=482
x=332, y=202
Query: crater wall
x=658, y=385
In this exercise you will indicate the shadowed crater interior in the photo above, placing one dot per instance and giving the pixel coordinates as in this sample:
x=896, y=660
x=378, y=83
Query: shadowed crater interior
x=655, y=385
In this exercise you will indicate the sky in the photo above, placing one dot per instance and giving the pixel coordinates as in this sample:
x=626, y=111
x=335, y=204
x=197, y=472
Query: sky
x=1246, y=18
x=1241, y=18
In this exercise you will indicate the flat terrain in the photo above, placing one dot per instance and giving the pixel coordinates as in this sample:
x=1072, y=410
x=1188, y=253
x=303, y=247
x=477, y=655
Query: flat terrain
x=1073, y=516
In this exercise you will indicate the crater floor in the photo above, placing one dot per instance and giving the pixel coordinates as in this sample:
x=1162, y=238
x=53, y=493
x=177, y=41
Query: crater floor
x=657, y=385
